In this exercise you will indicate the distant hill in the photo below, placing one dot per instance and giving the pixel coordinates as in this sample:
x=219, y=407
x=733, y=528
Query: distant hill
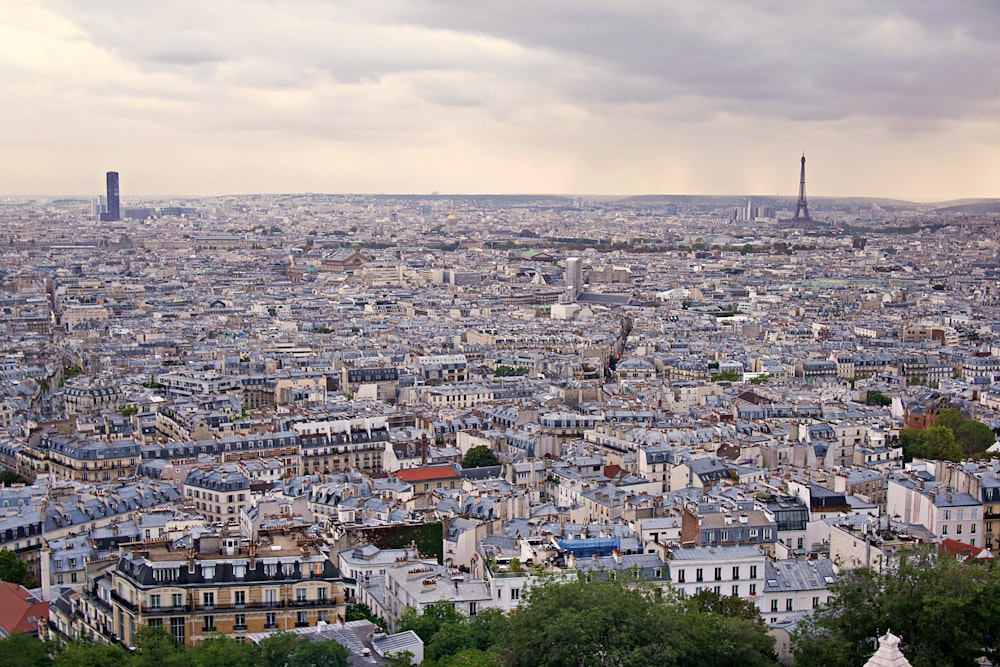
x=970, y=206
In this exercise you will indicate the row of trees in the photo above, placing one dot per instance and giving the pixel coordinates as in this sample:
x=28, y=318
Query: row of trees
x=597, y=623
x=156, y=648
x=946, y=612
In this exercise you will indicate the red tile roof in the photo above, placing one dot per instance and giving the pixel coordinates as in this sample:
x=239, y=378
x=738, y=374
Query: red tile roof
x=19, y=610
x=964, y=552
x=424, y=474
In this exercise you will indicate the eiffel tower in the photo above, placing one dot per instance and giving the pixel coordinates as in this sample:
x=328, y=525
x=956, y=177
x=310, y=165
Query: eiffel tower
x=801, y=207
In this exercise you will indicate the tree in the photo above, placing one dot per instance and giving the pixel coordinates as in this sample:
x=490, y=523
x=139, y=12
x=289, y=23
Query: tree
x=14, y=570
x=707, y=601
x=946, y=613
x=875, y=397
x=23, y=650
x=222, y=651
x=362, y=612
x=7, y=478
x=942, y=443
x=426, y=623
x=950, y=419
x=726, y=376
x=83, y=653
x=480, y=457
x=974, y=437
x=605, y=622
x=308, y=653
x=156, y=648
x=914, y=445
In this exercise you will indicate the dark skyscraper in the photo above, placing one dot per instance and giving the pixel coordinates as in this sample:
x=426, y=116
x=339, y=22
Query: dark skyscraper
x=801, y=207
x=114, y=202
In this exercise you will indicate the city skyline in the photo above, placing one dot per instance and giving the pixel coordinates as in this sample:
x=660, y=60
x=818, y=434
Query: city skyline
x=896, y=100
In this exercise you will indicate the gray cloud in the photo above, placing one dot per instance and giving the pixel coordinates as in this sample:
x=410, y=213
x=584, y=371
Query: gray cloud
x=568, y=85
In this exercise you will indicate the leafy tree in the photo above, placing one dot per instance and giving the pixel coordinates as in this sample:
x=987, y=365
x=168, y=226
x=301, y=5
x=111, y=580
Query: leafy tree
x=84, y=653
x=274, y=650
x=726, y=376
x=875, y=397
x=362, y=612
x=7, y=478
x=426, y=623
x=22, y=650
x=605, y=622
x=950, y=419
x=13, y=569
x=469, y=658
x=156, y=648
x=709, y=602
x=974, y=437
x=480, y=457
x=318, y=654
x=944, y=611
x=942, y=443
x=222, y=651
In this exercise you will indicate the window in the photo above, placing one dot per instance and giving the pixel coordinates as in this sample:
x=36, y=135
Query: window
x=958, y=529
x=972, y=528
x=774, y=606
x=208, y=623
x=718, y=574
x=300, y=595
x=208, y=599
x=815, y=602
x=736, y=590
x=736, y=573
x=270, y=596
x=698, y=575
x=301, y=619
x=240, y=598
x=753, y=571
x=177, y=600
x=515, y=594
x=717, y=589
x=154, y=601
x=947, y=515
x=680, y=576
x=788, y=604
x=155, y=623
x=321, y=593
x=240, y=622
x=753, y=589
x=177, y=629
x=270, y=620
x=944, y=530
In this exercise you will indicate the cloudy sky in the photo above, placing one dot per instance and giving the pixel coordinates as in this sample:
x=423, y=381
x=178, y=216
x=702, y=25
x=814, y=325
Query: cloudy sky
x=895, y=98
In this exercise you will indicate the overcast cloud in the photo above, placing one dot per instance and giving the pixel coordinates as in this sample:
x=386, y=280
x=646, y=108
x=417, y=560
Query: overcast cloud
x=891, y=98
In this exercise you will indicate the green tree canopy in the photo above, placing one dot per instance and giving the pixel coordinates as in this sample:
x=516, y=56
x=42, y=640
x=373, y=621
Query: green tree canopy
x=480, y=457
x=14, y=570
x=7, y=478
x=946, y=613
x=21, y=650
x=950, y=419
x=604, y=622
x=974, y=437
x=84, y=653
x=875, y=397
